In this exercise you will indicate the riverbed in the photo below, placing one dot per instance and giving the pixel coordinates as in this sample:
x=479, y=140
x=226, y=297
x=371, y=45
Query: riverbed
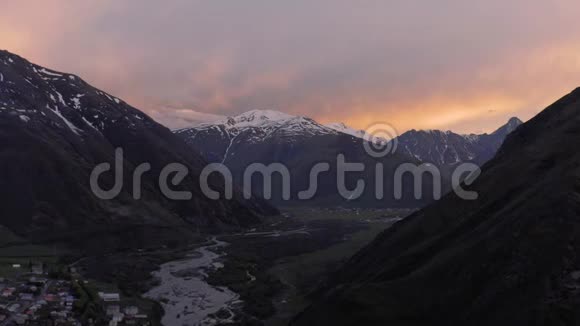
x=185, y=295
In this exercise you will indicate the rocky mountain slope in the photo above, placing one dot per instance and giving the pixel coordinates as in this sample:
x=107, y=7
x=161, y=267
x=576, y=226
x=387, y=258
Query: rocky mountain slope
x=55, y=128
x=511, y=257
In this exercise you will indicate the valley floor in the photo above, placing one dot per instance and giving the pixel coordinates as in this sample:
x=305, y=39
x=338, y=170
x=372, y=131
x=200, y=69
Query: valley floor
x=259, y=277
x=275, y=268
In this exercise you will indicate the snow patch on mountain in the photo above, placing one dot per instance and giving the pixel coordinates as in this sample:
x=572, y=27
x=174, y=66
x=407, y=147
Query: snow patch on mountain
x=358, y=133
x=69, y=124
x=341, y=127
x=49, y=73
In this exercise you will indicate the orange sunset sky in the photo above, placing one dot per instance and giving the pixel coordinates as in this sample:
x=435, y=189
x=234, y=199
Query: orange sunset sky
x=461, y=65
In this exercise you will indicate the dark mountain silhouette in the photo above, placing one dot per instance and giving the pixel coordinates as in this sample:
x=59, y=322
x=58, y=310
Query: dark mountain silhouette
x=55, y=128
x=511, y=257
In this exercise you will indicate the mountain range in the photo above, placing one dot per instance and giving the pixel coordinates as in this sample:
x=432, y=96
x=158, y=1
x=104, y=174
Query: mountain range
x=267, y=136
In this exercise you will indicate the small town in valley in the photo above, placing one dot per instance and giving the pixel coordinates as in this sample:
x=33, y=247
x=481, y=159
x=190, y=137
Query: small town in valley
x=36, y=294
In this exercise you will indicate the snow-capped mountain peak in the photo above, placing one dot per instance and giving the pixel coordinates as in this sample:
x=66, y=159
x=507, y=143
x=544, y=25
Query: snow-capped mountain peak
x=252, y=127
x=267, y=121
x=229, y=134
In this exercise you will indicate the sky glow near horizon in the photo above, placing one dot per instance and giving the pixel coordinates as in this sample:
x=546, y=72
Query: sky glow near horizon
x=449, y=64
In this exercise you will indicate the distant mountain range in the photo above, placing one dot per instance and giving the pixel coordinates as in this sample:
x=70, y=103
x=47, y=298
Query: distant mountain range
x=446, y=148
x=55, y=128
x=511, y=257
x=267, y=136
